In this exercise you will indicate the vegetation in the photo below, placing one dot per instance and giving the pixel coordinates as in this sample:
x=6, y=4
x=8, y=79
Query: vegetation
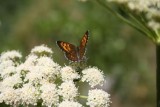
x=126, y=57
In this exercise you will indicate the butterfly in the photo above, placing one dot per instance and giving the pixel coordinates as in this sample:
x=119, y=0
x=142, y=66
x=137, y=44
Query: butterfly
x=74, y=53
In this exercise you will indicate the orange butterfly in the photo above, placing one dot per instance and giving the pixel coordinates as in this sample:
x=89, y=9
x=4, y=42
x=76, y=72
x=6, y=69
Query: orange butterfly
x=73, y=53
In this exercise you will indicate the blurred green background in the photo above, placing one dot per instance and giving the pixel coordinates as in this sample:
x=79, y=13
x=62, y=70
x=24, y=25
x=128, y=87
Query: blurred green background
x=126, y=56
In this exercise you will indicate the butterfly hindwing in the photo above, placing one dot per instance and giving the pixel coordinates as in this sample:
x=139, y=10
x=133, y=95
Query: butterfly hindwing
x=69, y=50
x=82, y=47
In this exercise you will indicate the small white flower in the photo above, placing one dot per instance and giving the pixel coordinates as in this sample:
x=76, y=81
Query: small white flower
x=93, y=75
x=69, y=104
x=68, y=73
x=29, y=94
x=49, y=94
x=68, y=90
x=98, y=98
x=41, y=49
x=10, y=55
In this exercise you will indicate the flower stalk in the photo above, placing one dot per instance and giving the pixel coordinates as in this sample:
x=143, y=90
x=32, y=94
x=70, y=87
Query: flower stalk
x=158, y=74
x=82, y=96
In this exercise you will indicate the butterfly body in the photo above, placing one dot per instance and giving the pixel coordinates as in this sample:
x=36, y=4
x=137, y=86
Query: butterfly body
x=74, y=53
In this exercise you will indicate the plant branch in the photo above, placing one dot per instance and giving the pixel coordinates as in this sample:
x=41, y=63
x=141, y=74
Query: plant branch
x=126, y=20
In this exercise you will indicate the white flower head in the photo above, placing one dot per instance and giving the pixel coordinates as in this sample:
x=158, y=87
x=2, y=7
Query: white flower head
x=68, y=90
x=41, y=72
x=9, y=82
x=8, y=71
x=6, y=64
x=10, y=96
x=45, y=61
x=35, y=75
x=29, y=94
x=69, y=104
x=48, y=62
x=31, y=60
x=93, y=75
x=68, y=73
x=10, y=55
x=1, y=98
x=41, y=49
x=49, y=94
x=98, y=98
x=23, y=69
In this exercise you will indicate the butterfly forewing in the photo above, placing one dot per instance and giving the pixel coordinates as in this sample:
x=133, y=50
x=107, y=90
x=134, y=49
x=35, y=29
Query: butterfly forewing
x=69, y=50
x=82, y=47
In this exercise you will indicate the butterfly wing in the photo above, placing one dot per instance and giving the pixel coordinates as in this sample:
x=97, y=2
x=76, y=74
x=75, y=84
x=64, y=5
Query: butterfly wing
x=69, y=50
x=82, y=47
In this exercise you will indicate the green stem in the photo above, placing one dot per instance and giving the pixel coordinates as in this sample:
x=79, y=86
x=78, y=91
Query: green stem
x=158, y=36
x=158, y=74
x=143, y=21
x=143, y=27
x=82, y=96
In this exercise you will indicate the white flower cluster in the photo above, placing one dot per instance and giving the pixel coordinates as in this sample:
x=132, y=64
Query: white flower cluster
x=151, y=9
x=98, y=98
x=68, y=90
x=68, y=73
x=41, y=49
x=40, y=80
x=8, y=62
x=49, y=94
x=93, y=75
x=10, y=55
